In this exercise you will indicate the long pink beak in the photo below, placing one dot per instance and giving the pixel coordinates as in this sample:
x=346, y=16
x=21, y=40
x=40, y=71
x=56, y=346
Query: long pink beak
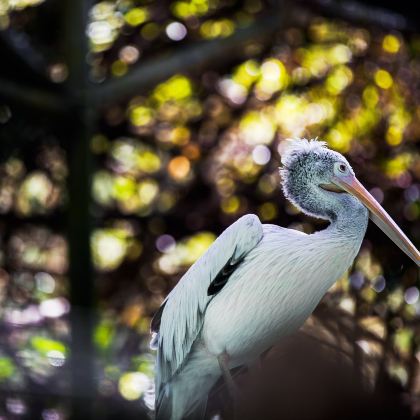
x=378, y=215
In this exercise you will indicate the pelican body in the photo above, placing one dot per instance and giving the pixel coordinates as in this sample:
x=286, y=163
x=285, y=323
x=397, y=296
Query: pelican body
x=259, y=283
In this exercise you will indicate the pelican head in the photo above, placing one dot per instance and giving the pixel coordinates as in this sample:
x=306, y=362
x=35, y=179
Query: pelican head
x=322, y=184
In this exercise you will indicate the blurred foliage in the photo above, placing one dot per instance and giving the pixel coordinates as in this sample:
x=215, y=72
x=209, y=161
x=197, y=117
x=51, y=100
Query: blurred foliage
x=7, y=6
x=178, y=164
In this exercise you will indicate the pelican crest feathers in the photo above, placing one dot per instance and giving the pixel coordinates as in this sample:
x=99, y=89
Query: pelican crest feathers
x=290, y=148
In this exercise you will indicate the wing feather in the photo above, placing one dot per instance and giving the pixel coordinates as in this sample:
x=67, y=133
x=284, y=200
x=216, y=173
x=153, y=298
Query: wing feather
x=181, y=318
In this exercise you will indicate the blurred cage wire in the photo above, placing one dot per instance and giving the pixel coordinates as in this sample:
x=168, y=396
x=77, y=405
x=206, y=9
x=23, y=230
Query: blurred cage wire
x=134, y=132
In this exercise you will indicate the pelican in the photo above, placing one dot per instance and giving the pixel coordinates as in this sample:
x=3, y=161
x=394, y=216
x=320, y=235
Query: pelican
x=258, y=283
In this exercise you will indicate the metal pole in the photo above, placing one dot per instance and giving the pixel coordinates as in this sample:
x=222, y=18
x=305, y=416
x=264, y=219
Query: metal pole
x=79, y=127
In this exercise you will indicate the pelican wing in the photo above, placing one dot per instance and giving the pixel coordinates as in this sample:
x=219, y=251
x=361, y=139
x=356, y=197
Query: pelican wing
x=179, y=320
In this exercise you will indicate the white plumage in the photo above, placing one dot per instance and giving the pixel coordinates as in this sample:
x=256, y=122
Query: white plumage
x=182, y=318
x=279, y=277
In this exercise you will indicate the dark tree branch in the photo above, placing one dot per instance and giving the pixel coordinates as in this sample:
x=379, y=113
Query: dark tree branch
x=196, y=57
x=31, y=97
x=200, y=55
x=359, y=13
x=20, y=44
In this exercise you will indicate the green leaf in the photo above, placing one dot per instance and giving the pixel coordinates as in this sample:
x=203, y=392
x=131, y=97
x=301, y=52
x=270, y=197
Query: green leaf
x=44, y=345
x=104, y=334
x=7, y=368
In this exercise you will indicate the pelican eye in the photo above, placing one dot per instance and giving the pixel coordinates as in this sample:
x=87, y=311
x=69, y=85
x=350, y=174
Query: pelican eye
x=340, y=168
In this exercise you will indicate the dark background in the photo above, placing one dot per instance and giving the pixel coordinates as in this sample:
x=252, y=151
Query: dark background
x=125, y=152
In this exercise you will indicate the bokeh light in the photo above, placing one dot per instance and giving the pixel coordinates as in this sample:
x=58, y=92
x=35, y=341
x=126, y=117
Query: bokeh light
x=177, y=162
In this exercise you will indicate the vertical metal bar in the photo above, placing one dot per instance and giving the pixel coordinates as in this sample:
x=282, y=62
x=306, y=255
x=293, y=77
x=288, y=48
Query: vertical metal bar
x=82, y=295
x=79, y=127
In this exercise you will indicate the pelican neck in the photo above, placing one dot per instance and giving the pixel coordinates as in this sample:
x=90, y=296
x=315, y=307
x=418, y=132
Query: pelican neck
x=350, y=218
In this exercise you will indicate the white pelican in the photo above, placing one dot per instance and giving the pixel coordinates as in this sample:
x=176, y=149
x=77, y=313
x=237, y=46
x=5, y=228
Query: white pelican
x=258, y=283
